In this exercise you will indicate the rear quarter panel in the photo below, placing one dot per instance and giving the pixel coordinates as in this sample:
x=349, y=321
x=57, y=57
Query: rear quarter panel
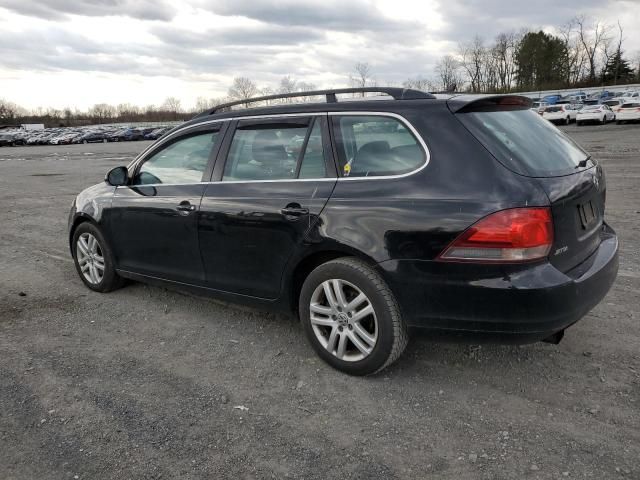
x=417, y=216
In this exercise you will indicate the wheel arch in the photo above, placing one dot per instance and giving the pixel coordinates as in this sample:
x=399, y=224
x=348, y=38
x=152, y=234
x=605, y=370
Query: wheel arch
x=306, y=264
x=80, y=218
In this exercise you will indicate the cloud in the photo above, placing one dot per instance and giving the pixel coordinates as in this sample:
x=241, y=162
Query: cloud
x=345, y=16
x=57, y=9
x=198, y=46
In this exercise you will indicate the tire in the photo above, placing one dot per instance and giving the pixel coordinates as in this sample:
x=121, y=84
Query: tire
x=384, y=328
x=104, y=140
x=578, y=123
x=109, y=280
x=603, y=121
x=619, y=122
x=567, y=121
x=85, y=142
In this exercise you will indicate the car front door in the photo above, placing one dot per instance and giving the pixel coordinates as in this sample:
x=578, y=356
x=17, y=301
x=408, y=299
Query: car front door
x=264, y=201
x=153, y=219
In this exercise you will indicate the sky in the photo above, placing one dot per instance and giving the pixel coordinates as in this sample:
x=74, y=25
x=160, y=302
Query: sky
x=62, y=53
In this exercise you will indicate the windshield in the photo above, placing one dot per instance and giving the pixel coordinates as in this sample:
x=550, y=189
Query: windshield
x=526, y=143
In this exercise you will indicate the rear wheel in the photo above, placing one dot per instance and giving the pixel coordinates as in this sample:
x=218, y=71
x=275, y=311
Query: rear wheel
x=567, y=121
x=93, y=259
x=351, y=317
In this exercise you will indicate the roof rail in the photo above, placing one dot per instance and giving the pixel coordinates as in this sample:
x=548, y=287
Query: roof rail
x=395, y=92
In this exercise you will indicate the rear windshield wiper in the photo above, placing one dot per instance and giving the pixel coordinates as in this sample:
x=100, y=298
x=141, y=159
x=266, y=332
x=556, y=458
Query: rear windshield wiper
x=583, y=163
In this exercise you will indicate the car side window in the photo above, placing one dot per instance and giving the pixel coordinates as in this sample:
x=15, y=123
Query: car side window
x=181, y=162
x=265, y=152
x=370, y=146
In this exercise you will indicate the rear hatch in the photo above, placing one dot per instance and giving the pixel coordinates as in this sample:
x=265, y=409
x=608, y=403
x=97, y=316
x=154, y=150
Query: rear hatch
x=530, y=146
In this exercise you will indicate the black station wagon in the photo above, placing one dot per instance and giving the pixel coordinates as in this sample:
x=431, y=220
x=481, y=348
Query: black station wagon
x=364, y=217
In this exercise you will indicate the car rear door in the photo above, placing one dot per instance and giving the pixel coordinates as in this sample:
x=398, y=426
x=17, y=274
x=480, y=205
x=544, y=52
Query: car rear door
x=264, y=201
x=153, y=220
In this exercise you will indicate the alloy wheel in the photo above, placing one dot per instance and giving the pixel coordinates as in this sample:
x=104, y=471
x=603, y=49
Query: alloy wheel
x=90, y=258
x=343, y=320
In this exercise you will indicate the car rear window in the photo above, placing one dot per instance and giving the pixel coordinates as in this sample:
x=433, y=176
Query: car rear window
x=631, y=105
x=526, y=143
x=553, y=109
x=612, y=103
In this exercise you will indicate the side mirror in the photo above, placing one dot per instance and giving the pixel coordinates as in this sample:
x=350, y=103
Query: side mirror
x=117, y=176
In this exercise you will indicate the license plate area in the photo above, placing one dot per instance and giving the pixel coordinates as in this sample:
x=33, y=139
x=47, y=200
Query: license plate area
x=588, y=214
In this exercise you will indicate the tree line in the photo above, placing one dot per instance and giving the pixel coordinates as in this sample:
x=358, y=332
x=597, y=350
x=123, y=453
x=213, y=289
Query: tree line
x=583, y=52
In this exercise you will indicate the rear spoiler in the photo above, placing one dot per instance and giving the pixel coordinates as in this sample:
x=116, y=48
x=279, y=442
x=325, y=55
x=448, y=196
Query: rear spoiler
x=476, y=103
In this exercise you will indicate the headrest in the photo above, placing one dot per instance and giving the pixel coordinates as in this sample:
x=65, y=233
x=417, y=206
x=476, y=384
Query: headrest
x=268, y=149
x=372, y=157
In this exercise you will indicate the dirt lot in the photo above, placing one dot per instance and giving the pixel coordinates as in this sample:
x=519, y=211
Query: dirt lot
x=144, y=382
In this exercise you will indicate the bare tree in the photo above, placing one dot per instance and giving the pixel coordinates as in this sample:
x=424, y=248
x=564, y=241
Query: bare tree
x=592, y=37
x=473, y=56
x=99, y=112
x=242, y=88
x=448, y=70
x=503, y=53
x=615, y=52
x=172, y=104
x=576, y=55
x=419, y=83
x=8, y=110
x=362, y=76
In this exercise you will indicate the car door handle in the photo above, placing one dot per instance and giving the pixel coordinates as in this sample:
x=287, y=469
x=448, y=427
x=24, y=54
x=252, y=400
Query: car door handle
x=294, y=210
x=185, y=207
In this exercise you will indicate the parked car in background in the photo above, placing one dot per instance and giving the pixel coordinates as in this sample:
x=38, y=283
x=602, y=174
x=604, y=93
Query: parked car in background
x=561, y=113
x=551, y=99
x=629, y=112
x=631, y=96
x=539, y=107
x=367, y=228
x=614, y=104
x=92, y=137
x=126, y=135
x=577, y=97
x=6, y=140
x=156, y=133
x=595, y=113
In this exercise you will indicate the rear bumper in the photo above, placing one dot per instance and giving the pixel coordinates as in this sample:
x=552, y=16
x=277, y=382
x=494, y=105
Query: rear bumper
x=515, y=304
x=589, y=118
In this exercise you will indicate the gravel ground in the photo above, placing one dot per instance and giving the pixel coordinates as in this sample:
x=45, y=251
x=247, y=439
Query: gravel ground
x=150, y=383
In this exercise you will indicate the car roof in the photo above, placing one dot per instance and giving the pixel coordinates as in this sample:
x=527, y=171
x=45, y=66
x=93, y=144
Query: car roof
x=454, y=102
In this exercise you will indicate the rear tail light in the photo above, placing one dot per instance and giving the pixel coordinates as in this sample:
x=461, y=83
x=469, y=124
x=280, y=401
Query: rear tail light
x=514, y=235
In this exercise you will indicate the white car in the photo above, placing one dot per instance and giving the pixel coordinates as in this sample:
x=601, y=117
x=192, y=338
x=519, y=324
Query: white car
x=630, y=97
x=630, y=112
x=539, y=107
x=563, y=113
x=595, y=113
x=614, y=103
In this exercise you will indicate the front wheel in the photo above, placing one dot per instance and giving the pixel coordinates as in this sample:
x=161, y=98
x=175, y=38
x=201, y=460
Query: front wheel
x=351, y=317
x=93, y=259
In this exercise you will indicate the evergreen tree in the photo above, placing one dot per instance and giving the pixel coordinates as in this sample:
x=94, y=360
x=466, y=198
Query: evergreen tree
x=540, y=61
x=617, y=70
